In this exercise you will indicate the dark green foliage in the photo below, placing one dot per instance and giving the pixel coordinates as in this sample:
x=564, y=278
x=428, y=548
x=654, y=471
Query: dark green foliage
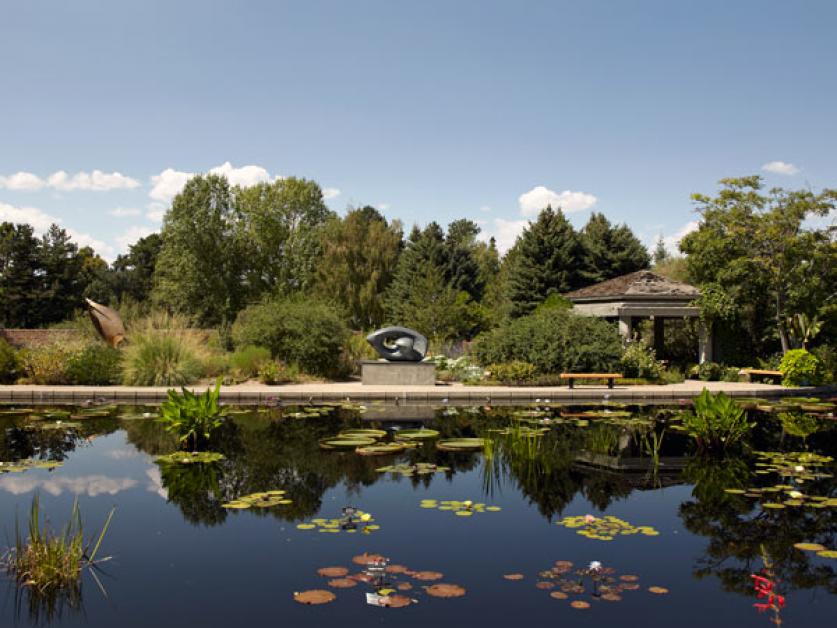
x=8, y=363
x=546, y=259
x=96, y=364
x=801, y=368
x=661, y=254
x=308, y=333
x=827, y=354
x=717, y=422
x=193, y=417
x=610, y=251
x=709, y=371
x=43, y=280
x=133, y=272
x=555, y=341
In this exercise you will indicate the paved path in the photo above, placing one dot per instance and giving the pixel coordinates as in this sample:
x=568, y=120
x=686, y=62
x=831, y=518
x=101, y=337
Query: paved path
x=252, y=392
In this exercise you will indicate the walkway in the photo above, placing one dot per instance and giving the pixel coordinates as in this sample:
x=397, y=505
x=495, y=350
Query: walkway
x=253, y=393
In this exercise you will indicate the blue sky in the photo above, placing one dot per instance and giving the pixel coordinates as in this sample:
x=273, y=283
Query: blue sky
x=429, y=110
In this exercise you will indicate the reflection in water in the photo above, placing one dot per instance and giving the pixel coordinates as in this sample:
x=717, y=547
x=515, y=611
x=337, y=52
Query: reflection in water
x=90, y=485
x=600, y=461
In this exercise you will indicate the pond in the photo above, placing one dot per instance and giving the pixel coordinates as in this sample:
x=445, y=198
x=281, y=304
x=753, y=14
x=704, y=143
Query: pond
x=560, y=515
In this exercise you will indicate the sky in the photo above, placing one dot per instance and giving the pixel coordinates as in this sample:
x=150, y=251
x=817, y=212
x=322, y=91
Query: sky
x=432, y=110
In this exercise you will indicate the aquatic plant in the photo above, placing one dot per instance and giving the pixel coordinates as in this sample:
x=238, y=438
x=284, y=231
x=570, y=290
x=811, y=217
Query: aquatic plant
x=353, y=520
x=190, y=457
x=604, y=528
x=193, y=417
x=717, y=422
x=465, y=508
x=799, y=424
x=265, y=499
x=461, y=444
x=46, y=562
x=409, y=470
x=19, y=466
x=765, y=585
x=801, y=368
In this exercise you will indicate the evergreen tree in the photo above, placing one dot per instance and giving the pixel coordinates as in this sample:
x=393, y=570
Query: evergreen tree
x=133, y=272
x=546, y=259
x=610, y=251
x=660, y=252
x=19, y=272
x=423, y=252
x=462, y=268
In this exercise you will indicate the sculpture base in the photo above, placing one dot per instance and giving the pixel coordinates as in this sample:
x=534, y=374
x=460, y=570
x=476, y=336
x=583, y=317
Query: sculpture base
x=383, y=373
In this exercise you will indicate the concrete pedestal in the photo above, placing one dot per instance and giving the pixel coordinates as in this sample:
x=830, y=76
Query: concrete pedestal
x=383, y=373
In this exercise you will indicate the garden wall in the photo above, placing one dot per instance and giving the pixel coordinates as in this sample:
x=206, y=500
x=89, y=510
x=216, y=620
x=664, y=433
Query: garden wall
x=33, y=337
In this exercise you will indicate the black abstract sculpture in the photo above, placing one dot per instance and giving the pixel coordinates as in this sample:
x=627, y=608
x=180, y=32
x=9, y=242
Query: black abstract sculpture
x=398, y=344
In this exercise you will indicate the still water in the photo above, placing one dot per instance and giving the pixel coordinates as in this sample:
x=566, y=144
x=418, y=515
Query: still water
x=657, y=517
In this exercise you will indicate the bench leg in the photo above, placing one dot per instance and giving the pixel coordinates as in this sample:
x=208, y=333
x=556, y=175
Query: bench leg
x=571, y=381
x=610, y=382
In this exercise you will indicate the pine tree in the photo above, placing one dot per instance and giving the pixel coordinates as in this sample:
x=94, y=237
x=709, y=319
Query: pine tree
x=610, y=251
x=546, y=259
x=660, y=252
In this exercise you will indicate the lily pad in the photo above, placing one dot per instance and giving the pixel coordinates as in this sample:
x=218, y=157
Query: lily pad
x=421, y=434
x=580, y=604
x=558, y=595
x=513, y=576
x=809, y=547
x=342, y=583
x=827, y=553
x=332, y=572
x=194, y=457
x=345, y=443
x=658, y=590
x=445, y=590
x=381, y=449
x=428, y=575
x=461, y=444
x=315, y=596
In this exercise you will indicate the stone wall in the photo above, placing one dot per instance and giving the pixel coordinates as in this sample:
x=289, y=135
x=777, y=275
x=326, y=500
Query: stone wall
x=35, y=337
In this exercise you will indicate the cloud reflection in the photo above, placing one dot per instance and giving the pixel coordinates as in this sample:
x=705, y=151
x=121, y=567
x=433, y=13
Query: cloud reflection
x=90, y=485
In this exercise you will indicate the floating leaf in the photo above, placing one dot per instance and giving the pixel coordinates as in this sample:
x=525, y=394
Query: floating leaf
x=658, y=590
x=428, y=575
x=580, y=604
x=558, y=595
x=827, y=553
x=420, y=434
x=380, y=449
x=397, y=601
x=513, y=576
x=315, y=596
x=809, y=547
x=604, y=528
x=332, y=572
x=342, y=583
x=194, y=457
x=461, y=444
x=445, y=590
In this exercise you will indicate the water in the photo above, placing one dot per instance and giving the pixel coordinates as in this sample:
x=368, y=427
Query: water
x=179, y=558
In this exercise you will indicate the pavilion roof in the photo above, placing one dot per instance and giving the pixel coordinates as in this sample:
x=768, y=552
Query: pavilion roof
x=643, y=283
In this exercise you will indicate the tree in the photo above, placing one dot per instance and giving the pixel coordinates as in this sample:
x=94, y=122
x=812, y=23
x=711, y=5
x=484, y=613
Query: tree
x=201, y=262
x=660, y=252
x=359, y=257
x=462, y=267
x=19, y=270
x=757, y=249
x=279, y=224
x=133, y=272
x=546, y=260
x=610, y=251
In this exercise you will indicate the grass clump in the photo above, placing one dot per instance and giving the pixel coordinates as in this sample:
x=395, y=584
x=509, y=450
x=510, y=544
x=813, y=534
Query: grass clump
x=163, y=351
x=48, y=562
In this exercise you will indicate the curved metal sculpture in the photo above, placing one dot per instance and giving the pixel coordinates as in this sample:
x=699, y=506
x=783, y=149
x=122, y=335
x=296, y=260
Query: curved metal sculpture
x=398, y=344
x=107, y=323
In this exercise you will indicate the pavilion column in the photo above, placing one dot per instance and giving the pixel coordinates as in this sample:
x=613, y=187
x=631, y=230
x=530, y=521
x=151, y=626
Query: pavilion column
x=705, y=344
x=625, y=324
x=659, y=334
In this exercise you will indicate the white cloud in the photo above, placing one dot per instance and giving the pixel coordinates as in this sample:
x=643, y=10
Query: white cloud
x=39, y=220
x=96, y=181
x=131, y=236
x=672, y=242
x=244, y=176
x=486, y=209
x=330, y=193
x=505, y=233
x=83, y=239
x=122, y=212
x=167, y=184
x=780, y=167
x=22, y=181
x=382, y=207
x=536, y=199
x=90, y=485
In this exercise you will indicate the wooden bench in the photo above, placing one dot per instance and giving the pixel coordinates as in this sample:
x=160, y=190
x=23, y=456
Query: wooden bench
x=749, y=373
x=610, y=377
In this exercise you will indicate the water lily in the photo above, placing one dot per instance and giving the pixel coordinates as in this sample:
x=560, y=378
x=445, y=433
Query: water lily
x=795, y=494
x=594, y=565
x=799, y=468
x=589, y=518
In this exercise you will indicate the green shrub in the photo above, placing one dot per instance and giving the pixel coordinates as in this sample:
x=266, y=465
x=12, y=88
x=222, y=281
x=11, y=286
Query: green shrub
x=355, y=350
x=193, y=417
x=514, y=372
x=47, y=363
x=246, y=361
x=8, y=363
x=801, y=368
x=672, y=375
x=639, y=360
x=307, y=333
x=730, y=374
x=708, y=371
x=717, y=422
x=554, y=341
x=96, y=364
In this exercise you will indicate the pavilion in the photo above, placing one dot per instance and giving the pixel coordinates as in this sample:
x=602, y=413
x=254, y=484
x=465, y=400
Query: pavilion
x=639, y=295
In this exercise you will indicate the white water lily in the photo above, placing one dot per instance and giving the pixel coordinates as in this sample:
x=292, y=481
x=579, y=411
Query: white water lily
x=595, y=565
x=795, y=494
x=799, y=468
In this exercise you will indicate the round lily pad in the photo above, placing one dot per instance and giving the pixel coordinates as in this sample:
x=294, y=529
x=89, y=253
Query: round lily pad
x=827, y=553
x=416, y=434
x=558, y=595
x=362, y=433
x=315, y=596
x=445, y=590
x=342, y=583
x=658, y=590
x=461, y=444
x=428, y=575
x=382, y=449
x=580, y=604
x=397, y=601
x=345, y=443
x=332, y=572
x=513, y=576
